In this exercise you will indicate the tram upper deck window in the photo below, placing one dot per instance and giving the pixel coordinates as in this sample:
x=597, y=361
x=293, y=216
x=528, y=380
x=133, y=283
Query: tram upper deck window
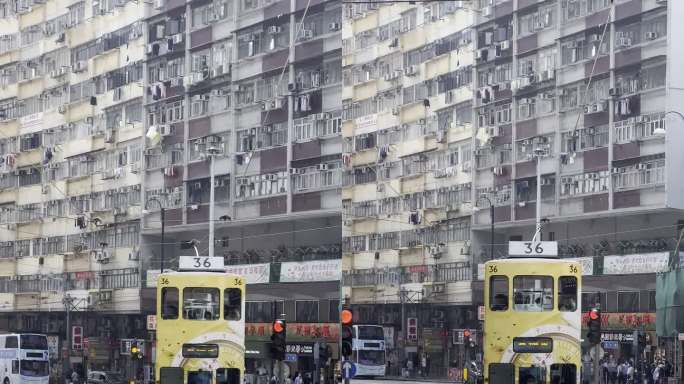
x=201, y=303
x=169, y=300
x=232, y=304
x=533, y=293
x=567, y=293
x=498, y=293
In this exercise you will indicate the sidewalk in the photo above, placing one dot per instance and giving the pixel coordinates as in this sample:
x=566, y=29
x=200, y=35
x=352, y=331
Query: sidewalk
x=419, y=379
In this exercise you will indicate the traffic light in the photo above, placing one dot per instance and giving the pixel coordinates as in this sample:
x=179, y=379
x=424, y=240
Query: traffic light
x=323, y=352
x=278, y=339
x=466, y=337
x=347, y=319
x=594, y=334
x=136, y=352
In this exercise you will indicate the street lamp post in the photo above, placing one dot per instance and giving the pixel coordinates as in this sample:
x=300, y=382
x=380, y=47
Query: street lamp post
x=161, y=246
x=491, y=219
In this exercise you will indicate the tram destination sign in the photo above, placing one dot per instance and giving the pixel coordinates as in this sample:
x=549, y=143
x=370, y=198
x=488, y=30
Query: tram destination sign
x=201, y=263
x=533, y=249
x=532, y=345
x=200, y=350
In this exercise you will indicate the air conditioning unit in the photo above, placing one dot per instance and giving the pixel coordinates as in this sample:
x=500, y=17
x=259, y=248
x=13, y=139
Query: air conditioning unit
x=45, y=189
x=498, y=171
x=396, y=111
x=102, y=257
x=411, y=70
x=322, y=167
x=504, y=45
x=80, y=66
x=335, y=26
x=641, y=166
x=651, y=35
x=108, y=174
x=307, y=34
x=165, y=130
x=158, y=4
x=177, y=38
x=109, y=136
x=62, y=109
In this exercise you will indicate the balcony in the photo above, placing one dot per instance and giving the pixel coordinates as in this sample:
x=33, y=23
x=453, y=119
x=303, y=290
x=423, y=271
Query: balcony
x=639, y=178
x=108, y=279
x=314, y=181
x=284, y=254
x=440, y=273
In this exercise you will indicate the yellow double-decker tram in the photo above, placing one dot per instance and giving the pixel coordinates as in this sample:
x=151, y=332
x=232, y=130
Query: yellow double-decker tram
x=200, y=324
x=532, y=321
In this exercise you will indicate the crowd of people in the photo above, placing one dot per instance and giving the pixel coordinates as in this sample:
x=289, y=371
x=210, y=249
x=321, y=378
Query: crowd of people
x=624, y=371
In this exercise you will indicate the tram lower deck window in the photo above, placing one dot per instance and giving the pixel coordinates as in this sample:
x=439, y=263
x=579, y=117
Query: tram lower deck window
x=227, y=376
x=531, y=375
x=563, y=374
x=201, y=303
x=533, y=293
x=171, y=375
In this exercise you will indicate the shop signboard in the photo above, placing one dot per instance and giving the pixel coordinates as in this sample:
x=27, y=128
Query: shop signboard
x=295, y=331
x=625, y=321
x=308, y=271
x=253, y=273
x=300, y=349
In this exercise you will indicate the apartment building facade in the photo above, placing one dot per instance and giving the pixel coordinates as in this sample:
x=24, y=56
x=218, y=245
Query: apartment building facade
x=249, y=90
x=407, y=132
x=71, y=156
x=589, y=90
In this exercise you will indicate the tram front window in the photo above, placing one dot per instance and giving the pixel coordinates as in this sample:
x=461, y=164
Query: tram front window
x=498, y=293
x=563, y=374
x=533, y=293
x=201, y=303
x=531, y=375
x=567, y=294
x=169, y=298
x=199, y=377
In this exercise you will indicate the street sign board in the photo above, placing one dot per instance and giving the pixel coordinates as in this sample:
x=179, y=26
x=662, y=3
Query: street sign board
x=680, y=337
x=202, y=263
x=348, y=370
x=291, y=357
x=533, y=248
x=77, y=338
x=151, y=322
x=481, y=313
x=458, y=336
x=611, y=344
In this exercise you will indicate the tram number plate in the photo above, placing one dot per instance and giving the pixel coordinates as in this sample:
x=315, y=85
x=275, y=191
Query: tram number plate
x=200, y=350
x=532, y=345
x=200, y=263
x=530, y=248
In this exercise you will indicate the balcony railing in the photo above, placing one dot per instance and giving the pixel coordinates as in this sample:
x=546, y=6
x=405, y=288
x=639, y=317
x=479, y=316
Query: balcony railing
x=639, y=178
x=318, y=180
x=111, y=279
x=256, y=256
x=440, y=273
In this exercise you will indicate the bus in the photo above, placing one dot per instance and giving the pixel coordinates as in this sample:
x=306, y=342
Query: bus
x=24, y=358
x=368, y=350
x=532, y=321
x=200, y=325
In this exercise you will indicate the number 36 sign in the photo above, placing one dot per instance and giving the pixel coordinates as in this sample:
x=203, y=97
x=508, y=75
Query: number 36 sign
x=202, y=263
x=533, y=249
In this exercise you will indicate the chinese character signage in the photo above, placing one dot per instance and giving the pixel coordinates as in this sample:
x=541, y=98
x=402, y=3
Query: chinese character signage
x=321, y=270
x=253, y=273
x=632, y=264
x=624, y=321
x=295, y=331
x=300, y=349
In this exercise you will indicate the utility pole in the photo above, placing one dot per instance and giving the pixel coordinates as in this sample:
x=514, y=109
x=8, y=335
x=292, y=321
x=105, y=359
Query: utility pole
x=212, y=152
x=402, y=299
x=539, y=152
x=67, y=301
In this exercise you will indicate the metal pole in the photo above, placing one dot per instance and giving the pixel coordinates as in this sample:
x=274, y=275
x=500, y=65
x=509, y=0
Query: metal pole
x=211, y=206
x=402, y=299
x=597, y=366
x=161, y=246
x=491, y=240
x=67, y=361
x=537, y=233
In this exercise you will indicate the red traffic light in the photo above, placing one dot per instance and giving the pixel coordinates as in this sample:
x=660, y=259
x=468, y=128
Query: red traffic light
x=346, y=316
x=594, y=315
x=278, y=326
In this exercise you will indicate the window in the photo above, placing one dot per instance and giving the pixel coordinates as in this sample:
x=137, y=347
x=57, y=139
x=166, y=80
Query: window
x=171, y=375
x=34, y=368
x=501, y=373
x=334, y=312
x=11, y=342
x=567, y=294
x=533, y=293
x=15, y=367
x=651, y=301
x=306, y=311
x=169, y=303
x=232, y=304
x=227, y=376
x=528, y=375
x=628, y=301
x=34, y=342
x=199, y=377
x=201, y=303
x=498, y=293
x=563, y=373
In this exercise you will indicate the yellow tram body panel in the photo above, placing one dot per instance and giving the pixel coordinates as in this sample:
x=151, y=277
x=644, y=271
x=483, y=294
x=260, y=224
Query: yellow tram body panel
x=532, y=315
x=197, y=325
